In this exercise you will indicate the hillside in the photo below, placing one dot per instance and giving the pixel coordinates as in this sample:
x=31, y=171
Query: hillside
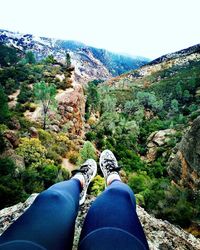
x=149, y=117
x=90, y=63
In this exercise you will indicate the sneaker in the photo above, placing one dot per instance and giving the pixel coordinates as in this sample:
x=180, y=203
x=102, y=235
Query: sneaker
x=109, y=166
x=88, y=171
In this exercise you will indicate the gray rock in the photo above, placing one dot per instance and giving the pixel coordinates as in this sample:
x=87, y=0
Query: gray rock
x=69, y=109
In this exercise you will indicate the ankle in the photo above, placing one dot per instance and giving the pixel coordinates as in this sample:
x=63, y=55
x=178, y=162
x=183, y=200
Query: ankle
x=113, y=177
x=79, y=177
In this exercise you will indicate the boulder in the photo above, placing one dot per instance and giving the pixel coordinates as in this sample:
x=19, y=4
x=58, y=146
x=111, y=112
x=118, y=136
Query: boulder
x=33, y=132
x=155, y=140
x=12, y=138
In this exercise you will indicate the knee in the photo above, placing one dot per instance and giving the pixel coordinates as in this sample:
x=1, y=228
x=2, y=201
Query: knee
x=50, y=195
x=122, y=190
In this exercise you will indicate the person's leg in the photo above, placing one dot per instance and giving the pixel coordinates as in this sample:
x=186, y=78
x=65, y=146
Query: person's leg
x=49, y=222
x=112, y=221
x=114, y=208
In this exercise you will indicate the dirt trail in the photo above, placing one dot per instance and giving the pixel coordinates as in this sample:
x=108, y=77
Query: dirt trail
x=67, y=165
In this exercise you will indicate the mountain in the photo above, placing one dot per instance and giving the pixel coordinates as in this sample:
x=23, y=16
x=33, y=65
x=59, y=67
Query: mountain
x=174, y=61
x=90, y=63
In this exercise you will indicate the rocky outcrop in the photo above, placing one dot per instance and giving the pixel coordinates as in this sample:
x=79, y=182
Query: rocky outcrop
x=185, y=164
x=69, y=114
x=156, y=140
x=71, y=107
x=160, y=234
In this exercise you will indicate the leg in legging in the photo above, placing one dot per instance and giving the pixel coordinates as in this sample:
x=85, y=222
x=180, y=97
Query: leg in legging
x=116, y=208
x=50, y=220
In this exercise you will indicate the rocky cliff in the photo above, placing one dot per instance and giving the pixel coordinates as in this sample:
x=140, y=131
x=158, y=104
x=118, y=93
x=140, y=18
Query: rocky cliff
x=160, y=234
x=90, y=63
x=185, y=164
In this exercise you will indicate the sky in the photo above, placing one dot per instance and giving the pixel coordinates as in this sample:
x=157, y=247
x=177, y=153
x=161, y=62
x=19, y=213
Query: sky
x=148, y=28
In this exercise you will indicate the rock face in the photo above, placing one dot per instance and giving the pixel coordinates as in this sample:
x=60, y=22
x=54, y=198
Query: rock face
x=156, y=140
x=160, y=234
x=185, y=165
x=71, y=107
x=71, y=110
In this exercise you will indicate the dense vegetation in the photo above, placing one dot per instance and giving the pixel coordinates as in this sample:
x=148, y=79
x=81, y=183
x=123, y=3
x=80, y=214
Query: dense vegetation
x=29, y=163
x=122, y=119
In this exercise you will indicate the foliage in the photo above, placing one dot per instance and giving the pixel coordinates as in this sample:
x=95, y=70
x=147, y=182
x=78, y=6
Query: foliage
x=149, y=100
x=139, y=182
x=93, y=98
x=11, y=189
x=87, y=152
x=98, y=185
x=45, y=93
x=25, y=93
x=32, y=150
x=8, y=56
x=4, y=111
x=30, y=58
x=73, y=157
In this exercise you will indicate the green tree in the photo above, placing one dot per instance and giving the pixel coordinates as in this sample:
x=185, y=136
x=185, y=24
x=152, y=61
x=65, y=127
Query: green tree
x=68, y=60
x=130, y=107
x=174, y=105
x=4, y=111
x=25, y=93
x=8, y=56
x=109, y=104
x=186, y=95
x=88, y=151
x=49, y=60
x=45, y=93
x=30, y=58
x=178, y=91
x=93, y=97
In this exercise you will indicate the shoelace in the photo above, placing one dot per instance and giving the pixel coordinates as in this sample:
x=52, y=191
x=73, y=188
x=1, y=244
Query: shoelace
x=84, y=169
x=111, y=166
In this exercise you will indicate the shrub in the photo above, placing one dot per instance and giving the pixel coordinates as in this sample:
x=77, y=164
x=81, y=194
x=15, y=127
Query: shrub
x=49, y=174
x=32, y=150
x=11, y=189
x=88, y=151
x=90, y=136
x=54, y=156
x=98, y=185
x=139, y=182
x=73, y=157
x=32, y=182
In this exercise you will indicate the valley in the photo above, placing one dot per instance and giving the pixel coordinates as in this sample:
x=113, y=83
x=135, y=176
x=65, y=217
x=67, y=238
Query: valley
x=148, y=115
